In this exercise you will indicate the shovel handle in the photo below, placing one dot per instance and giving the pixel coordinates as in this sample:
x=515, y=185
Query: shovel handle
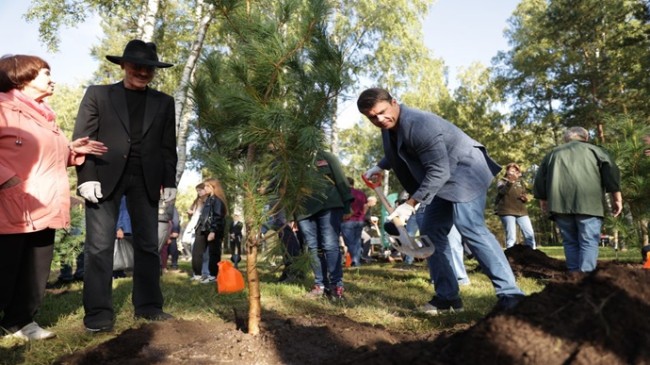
x=369, y=182
x=380, y=193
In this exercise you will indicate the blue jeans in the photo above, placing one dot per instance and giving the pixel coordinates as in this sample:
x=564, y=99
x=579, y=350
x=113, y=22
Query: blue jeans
x=469, y=219
x=321, y=233
x=351, y=231
x=457, y=253
x=580, y=238
x=510, y=223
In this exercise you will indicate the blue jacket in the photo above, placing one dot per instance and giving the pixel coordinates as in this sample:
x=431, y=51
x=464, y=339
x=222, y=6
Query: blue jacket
x=430, y=156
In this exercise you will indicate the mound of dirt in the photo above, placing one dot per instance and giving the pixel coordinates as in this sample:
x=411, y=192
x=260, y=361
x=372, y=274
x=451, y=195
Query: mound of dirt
x=598, y=318
x=534, y=263
x=321, y=340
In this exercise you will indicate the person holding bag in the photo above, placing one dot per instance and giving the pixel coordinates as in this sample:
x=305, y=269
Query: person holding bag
x=210, y=230
x=123, y=251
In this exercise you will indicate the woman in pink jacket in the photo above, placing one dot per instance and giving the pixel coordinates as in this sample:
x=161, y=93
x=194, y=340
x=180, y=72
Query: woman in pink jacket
x=34, y=189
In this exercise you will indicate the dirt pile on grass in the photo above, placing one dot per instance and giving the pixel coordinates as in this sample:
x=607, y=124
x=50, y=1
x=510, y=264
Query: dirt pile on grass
x=599, y=318
x=534, y=263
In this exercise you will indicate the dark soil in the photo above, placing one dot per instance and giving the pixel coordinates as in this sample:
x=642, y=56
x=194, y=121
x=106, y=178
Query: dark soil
x=599, y=318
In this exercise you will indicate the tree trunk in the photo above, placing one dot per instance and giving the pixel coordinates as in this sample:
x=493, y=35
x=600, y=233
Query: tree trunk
x=147, y=20
x=252, y=245
x=254, y=297
x=205, y=12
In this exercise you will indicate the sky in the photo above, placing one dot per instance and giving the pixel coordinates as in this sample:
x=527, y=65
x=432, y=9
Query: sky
x=458, y=31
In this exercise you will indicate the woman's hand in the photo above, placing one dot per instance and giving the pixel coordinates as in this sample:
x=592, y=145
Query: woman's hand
x=86, y=146
x=211, y=236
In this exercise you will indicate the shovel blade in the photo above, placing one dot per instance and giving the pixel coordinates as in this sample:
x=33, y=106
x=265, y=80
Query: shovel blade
x=418, y=247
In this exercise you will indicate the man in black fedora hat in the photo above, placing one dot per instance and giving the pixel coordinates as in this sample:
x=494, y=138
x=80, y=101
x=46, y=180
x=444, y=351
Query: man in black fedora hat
x=137, y=124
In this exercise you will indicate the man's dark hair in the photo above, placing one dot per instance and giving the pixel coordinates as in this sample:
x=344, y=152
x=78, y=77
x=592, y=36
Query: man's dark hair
x=372, y=96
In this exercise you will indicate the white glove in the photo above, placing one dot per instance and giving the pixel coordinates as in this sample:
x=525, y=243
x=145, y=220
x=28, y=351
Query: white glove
x=169, y=194
x=91, y=191
x=403, y=211
x=375, y=170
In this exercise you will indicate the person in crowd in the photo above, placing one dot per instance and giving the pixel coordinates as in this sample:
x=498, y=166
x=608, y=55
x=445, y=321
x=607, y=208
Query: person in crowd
x=189, y=234
x=570, y=184
x=293, y=245
x=137, y=123
x=236, y=235
x=353, y=223
x=34, y=189
x=210, y=230
x=123, y=231
x=67, y=275
x=165, y=216
x=510, y=206
x=449, y=173
x=320, y=224
x=173, y=240
x=369, y=231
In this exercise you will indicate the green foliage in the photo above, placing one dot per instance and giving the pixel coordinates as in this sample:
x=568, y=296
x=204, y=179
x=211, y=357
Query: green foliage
x=572, y=61
x=262, y=101
x=68, y=243
x=626, y=148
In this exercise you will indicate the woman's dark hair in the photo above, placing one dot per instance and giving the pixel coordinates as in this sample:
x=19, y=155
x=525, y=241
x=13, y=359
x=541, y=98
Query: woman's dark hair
x=16, y=71
x=372, y=96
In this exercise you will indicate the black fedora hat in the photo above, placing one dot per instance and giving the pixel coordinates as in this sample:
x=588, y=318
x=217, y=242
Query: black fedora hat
x=140, y=53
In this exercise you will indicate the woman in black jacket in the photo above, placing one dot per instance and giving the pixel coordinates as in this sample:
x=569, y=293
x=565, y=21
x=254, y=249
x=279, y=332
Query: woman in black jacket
x=210, y=230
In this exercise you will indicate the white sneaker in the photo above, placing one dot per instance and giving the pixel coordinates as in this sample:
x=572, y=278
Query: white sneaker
x=32, y=331
x=208, y=280
x=196, y=278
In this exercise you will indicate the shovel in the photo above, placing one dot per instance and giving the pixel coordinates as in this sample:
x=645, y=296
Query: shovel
x=419, y=247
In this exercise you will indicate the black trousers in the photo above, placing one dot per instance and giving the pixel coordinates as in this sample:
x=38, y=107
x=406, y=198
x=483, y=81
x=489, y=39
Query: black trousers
x=101, y=219
x=200, y=244
x=24, y=267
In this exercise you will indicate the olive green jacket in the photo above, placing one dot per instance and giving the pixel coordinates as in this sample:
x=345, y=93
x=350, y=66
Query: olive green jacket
x=334, y=192
x=574, y=177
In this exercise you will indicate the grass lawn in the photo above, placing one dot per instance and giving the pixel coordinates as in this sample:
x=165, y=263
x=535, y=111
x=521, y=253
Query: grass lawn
x=380, y=293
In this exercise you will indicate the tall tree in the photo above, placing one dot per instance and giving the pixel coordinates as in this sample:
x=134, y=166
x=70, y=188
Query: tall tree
x=574, y=62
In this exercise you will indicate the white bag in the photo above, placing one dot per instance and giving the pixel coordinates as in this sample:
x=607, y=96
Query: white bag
x=122, y=255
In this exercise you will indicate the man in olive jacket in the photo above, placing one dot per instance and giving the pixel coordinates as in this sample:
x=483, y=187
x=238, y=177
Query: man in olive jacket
x=570, y=185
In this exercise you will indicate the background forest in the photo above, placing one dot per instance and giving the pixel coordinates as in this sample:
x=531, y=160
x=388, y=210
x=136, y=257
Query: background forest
x=257, y=86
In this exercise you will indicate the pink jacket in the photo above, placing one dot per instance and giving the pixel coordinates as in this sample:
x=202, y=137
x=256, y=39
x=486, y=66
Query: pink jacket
x=35, y=150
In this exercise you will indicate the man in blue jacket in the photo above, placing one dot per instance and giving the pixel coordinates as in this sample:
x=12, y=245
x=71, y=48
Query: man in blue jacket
x=449, y=173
